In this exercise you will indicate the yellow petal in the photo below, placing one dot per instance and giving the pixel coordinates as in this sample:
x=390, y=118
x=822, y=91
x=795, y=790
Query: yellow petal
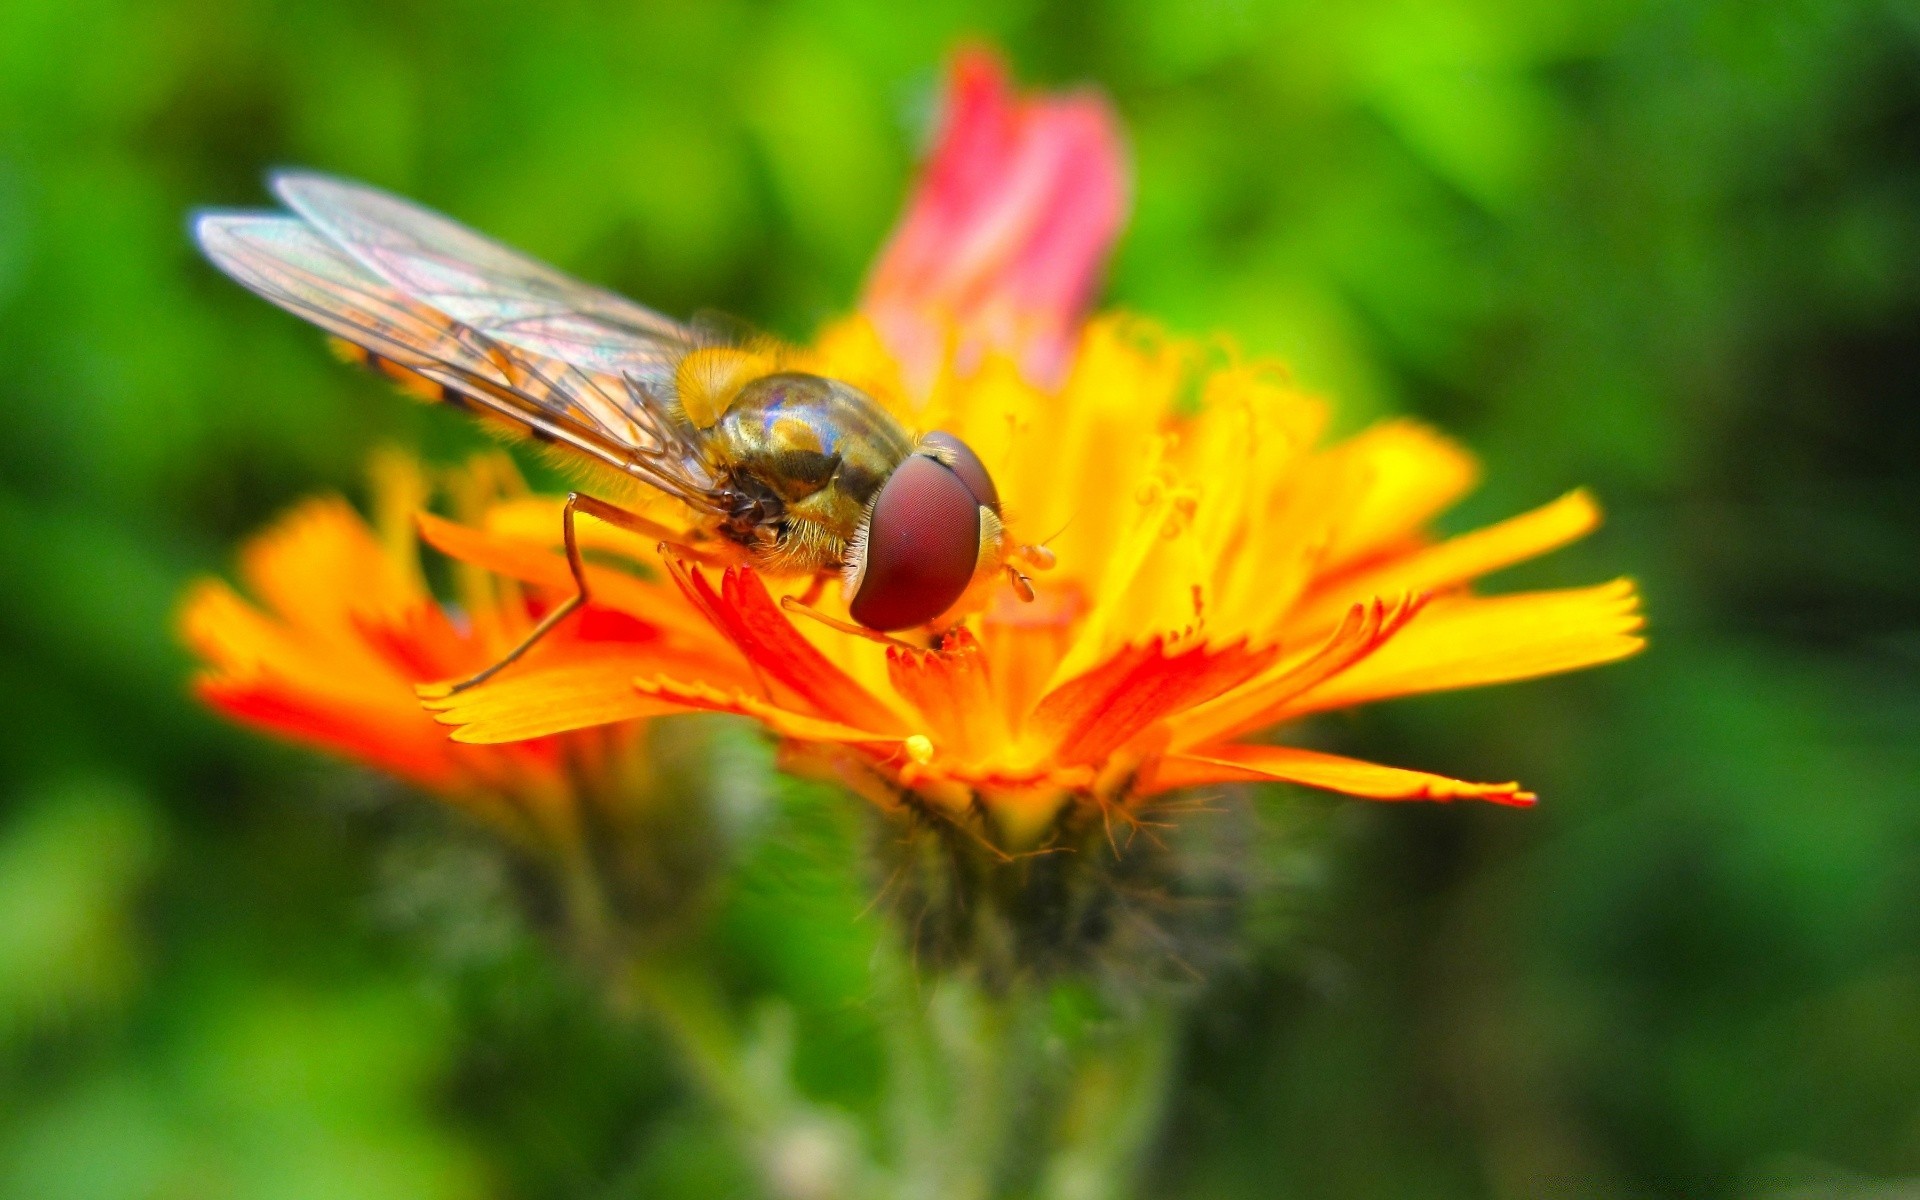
x=1458, y=560
x=1355, y=777
x=1412, y=474
x=1467, y=641
x=528, y=701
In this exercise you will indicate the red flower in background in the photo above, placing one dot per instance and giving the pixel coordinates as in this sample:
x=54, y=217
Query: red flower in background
x=1004, y=242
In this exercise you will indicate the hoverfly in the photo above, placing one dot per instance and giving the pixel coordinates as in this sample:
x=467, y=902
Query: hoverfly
x=795, y=473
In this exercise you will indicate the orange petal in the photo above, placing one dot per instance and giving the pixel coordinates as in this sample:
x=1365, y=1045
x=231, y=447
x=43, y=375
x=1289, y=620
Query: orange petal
x=343, y=700
x=1089, y=717
x=319, y=567
x=241, y=643
x=1467, y=641
x=1023, y=643
x=415, y=750
x=1286, y=764
x=1456, y=560
x=545, y=566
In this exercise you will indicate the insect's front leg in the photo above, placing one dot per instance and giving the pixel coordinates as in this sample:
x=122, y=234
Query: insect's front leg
x=1020, y=560
x=576, y=566
x=651, y=530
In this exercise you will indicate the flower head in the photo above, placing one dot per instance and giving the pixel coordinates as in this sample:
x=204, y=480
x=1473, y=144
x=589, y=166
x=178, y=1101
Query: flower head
x=341, y=628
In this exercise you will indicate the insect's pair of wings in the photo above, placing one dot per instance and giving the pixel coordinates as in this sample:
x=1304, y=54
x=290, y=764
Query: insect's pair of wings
x=575, y=364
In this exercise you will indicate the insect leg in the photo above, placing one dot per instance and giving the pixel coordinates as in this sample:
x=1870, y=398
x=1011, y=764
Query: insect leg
x=575, y=566
x=620, y=518
x=1021, y=583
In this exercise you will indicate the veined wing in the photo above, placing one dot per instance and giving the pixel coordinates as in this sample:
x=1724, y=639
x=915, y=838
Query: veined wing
x=286, y=261
x=486, y=286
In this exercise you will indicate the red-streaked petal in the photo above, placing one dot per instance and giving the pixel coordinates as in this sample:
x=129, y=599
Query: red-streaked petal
x=422, y=644
x=417, y=751
x=783, y=721
x=1006, y=235
x=1367, y=627
x=247, y=650
x=1286, y=764
x=744, y=613
x=1090, y=717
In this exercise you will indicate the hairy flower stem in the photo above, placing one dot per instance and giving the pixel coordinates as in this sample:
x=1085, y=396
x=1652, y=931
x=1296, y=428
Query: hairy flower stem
x=802, y=1150
x=996, y=1093
x=992, y=1092
x=688, y=1010
x=1112, y=1112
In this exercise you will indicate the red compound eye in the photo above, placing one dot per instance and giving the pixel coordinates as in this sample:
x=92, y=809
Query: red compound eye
x=921, y=547
x=967, y=465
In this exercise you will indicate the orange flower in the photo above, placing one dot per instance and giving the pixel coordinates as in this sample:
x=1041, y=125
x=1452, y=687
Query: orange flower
x=342, y=628
x=1219, y=574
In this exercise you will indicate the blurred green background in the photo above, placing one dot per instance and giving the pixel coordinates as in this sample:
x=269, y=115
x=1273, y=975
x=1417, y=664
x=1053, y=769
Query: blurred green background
x=1667, y=249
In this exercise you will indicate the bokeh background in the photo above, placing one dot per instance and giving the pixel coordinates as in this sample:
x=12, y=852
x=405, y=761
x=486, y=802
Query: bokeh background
x=1670, y=249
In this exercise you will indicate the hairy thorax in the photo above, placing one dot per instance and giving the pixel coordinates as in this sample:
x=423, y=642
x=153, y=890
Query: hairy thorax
x=798, y=458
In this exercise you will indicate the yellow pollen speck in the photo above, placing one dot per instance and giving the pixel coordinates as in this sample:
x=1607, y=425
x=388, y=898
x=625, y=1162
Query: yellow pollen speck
x=920, y=748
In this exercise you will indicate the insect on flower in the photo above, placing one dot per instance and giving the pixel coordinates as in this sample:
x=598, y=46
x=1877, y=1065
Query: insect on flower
x=1223, y=572
x=789, y=471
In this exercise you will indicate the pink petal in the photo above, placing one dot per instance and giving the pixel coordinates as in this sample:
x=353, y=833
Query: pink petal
x=1006, y=236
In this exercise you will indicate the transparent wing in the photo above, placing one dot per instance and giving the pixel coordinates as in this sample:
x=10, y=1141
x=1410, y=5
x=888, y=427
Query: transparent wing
x=487, y=286
x=614, y=419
